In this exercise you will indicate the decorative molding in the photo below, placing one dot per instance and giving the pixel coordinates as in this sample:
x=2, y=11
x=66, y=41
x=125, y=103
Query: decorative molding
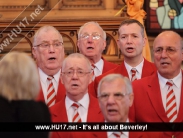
x=20, y=7
x=82, y=4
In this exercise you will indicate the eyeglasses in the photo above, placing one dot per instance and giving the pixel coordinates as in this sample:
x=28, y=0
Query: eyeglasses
x=117, y=96
x=80, y=73
x=47, y=45
x=95, y=36
x=169, y=50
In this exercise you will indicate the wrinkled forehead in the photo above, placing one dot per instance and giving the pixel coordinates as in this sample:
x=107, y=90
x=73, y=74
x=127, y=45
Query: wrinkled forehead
x=167, y=40
x=75, y=63
x=46, y=35
x=113, y=86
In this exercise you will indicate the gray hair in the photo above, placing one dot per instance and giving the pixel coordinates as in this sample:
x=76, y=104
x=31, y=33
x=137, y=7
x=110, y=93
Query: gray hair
x=19, y=77
x=77, y=55
x=112, y=77
x=45, y=28
x=94, y=23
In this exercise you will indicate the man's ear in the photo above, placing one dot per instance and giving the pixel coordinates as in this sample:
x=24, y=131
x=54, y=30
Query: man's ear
x=145, y=40
x=34, y=52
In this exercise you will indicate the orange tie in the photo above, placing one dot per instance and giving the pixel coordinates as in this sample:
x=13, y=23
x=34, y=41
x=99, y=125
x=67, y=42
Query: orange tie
x=76, y=117
x=171, y=109
x=133, y=71
x=51, y=95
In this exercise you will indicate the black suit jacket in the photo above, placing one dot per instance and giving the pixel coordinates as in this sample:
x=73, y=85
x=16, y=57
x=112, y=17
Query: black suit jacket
x=23, y=111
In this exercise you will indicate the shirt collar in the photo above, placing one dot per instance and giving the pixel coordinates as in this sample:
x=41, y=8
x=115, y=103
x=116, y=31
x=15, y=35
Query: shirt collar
x=84, y=102
x=126, y=133
x=138, y=67
x=44, y=76
x=176, y=80
x=99, y=65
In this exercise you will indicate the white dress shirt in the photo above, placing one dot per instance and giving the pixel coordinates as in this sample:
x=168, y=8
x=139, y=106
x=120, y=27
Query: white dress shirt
x=82, y=110
x=138, y=68
x=176, y=88
x=124, y=135
x=44, y=82
x=99, y=68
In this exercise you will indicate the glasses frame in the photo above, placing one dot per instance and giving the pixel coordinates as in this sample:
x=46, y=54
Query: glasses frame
x=92, y=34
x=41, y=45
x=75, y=71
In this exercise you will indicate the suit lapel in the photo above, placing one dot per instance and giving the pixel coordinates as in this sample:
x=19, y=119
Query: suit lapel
x=60, y=115
x=94, y=112
x=60, y=91
x=122, y=70
x=59, y=112
x=147, y=69
x=108, y=66
x=155, y=97
x=180, y=113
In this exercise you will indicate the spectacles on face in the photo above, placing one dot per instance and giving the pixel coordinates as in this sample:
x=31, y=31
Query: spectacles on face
x=47, y=45
x=169, y=50
x=95, y=36
x=80, y=73
x=116, y=96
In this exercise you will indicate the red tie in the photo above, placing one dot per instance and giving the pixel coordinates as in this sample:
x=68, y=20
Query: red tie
x=51, y=95
x=171, y=109
x=76, y=117
x=117, y=134
x=133, y=71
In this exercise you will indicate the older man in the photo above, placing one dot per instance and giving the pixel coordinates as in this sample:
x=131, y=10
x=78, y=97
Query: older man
x=91, y=43
x=78, y=105
x=115, y=97
x=48, y=51
x=131, y=41
x=159, y=98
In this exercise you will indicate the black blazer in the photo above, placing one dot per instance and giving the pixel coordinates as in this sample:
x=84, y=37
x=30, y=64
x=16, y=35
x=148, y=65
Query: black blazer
x=23, y=111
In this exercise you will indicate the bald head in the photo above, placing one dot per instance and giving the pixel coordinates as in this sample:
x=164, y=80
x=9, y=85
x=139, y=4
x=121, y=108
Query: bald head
x=169, y=35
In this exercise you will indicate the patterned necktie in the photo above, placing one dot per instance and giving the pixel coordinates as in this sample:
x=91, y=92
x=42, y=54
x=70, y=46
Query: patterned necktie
x=51, y=95
x=171, y=109
x=117, y=134
x=133, y=71
x=76, y=117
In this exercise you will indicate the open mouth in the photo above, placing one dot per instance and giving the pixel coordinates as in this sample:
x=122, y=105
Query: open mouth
x=90, y=48
x=112, y=111
x=164, y=63
x=74, y=85
x=130, y=48
x=52, y=58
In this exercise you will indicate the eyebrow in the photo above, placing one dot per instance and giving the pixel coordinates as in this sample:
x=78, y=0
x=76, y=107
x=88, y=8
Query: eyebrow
x=71, y=68
x=56, y=40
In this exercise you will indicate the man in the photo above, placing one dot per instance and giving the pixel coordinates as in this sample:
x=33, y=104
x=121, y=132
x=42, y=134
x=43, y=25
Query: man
x=78, y=105
x=48, y=51
x=91, y=43
x=115, y=97
x=131, y=41
x=159, y=98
